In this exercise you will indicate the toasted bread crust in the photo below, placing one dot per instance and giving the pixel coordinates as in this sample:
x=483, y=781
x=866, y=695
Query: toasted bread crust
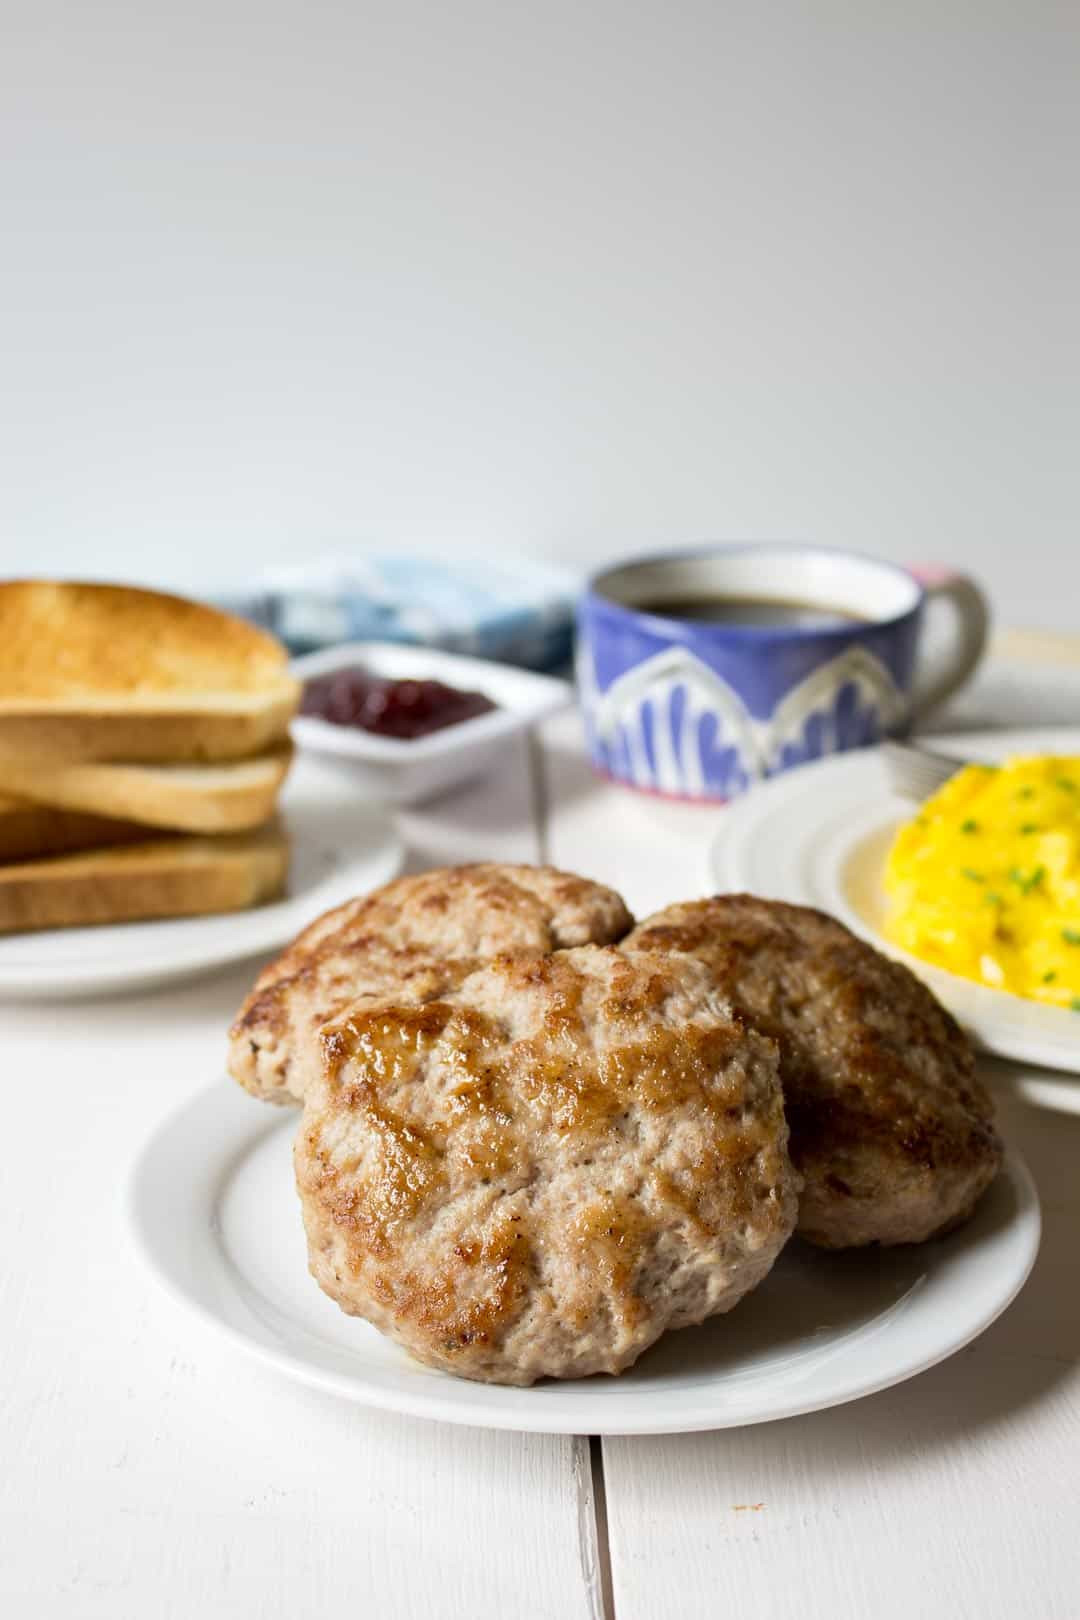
x=112, y=672
x=62, y=639
x=30, y=831
x=174, y=877
x=229, y=797
x=177, y=731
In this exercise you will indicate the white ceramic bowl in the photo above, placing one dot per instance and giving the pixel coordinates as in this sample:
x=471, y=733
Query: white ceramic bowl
x=397, y=771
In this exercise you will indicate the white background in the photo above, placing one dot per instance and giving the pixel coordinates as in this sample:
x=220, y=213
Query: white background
x=575, y=278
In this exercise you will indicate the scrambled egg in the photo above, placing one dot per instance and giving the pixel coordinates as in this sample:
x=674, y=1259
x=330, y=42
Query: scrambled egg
x=985, y=880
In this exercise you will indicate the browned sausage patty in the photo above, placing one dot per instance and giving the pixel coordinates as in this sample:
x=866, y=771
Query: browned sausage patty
x=415, y=938
x=890, y=1127
x=538, y=1173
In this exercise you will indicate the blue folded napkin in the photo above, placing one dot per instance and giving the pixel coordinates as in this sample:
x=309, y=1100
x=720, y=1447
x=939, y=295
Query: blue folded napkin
x=517, y=611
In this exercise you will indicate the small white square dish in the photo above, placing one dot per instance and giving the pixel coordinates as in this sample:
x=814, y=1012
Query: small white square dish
x=405, y=771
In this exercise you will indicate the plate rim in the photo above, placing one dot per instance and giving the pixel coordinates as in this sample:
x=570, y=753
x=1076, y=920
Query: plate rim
x=441, y=1403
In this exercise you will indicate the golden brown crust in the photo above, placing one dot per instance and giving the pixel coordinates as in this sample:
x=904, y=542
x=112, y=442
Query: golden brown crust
x=62, y=639
x=29, y=831
x=205, y=798
x=174, y=877
x=107, y=672
x=890, y=1126
x=184, y=732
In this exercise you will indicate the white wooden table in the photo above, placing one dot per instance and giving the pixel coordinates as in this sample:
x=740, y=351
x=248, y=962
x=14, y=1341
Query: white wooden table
x=150, y=1471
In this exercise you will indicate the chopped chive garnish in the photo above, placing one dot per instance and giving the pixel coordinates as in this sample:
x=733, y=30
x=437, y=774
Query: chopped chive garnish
x=1071, y=936
x=1026, y=884
x=1066, y=785
x=1026, y=793
x=1048, y=978
x=1029, y=827
x=969, y=826
x=976, y=877
x=992, y=899
x=1074, y=1004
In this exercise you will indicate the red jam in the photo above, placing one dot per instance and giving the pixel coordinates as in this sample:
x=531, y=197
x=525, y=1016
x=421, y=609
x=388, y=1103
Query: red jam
x=405, y=709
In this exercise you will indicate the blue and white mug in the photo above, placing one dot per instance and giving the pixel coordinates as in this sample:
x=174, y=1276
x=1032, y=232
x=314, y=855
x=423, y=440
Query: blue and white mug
x=704, y=709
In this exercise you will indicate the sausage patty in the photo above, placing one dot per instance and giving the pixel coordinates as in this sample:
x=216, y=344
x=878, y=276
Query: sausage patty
x=890, y=1127
x=414, y=937
x=537, y=1173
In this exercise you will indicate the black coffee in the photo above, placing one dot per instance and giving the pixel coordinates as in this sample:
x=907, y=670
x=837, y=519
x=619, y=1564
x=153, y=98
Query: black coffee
x=760, y=610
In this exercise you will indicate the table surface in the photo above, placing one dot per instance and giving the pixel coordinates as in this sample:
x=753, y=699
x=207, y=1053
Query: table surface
x=151, y=1470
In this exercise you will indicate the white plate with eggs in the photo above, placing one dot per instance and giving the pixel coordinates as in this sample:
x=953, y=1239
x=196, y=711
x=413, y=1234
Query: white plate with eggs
x=819, y=836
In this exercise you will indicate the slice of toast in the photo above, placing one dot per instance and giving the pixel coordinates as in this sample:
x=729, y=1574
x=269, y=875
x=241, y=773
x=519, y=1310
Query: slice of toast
x=184, y=798
x=28, y=831
x=169, y=877
x=108, y=672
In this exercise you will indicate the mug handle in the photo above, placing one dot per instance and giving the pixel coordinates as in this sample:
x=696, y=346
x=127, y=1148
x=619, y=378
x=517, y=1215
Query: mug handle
x=971, y=624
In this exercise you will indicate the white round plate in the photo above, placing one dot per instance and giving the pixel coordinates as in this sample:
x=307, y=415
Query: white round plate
x=214, y=1212
x=819, y=836
x=340, y=847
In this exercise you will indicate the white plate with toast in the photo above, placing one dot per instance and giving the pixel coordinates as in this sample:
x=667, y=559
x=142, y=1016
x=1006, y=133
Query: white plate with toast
x=819, y=836
x=339, y=847
x=213, y=1212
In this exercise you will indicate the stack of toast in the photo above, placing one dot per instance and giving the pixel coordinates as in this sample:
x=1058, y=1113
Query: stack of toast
x=143, y=744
